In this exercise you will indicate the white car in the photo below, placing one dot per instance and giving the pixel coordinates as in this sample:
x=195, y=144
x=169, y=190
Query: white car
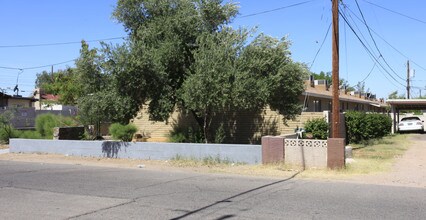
x=411, y=123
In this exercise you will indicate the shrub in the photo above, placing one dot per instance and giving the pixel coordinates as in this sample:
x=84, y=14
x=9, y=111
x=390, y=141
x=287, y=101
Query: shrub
x=318, y=127
x=6, y=133
x=45, y=123
x=362, y=127
x=29, y=135
x=6, y=129
x=186, y=135
x=122, y=132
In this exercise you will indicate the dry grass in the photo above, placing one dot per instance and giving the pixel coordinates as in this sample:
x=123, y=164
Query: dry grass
x=4, y=146
x=373, y=157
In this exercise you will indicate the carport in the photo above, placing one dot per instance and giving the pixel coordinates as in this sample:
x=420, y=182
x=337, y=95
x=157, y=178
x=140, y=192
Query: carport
x=397, y=105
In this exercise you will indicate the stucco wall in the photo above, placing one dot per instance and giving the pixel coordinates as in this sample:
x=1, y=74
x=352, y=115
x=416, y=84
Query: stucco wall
x=250, y=154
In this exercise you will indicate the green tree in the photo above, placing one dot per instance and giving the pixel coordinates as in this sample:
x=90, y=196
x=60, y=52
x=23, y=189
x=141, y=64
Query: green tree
x=395, y=95
x=63, y=83
x=163, y=38
x=101, y=100
x=181, y=54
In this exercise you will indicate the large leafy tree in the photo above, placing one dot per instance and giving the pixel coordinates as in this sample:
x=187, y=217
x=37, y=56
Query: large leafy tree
x=63, y=83
x=163, y=37
x=181, y=54
x=229, y=76
x=101, y=100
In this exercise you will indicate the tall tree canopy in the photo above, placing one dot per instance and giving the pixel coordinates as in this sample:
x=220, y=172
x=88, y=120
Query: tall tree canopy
x=182, y=54
x=63, y=83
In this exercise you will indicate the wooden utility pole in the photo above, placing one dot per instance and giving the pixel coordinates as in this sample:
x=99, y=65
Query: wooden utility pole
x=335, y=119
x=408, y=79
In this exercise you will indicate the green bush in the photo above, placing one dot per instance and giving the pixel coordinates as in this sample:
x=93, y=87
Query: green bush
x=362, y=127
x=29, y=135
x=7, y=132
x=45, y=123
x=122, y=132
x=186, y=135
x=6, y=129
x=318, y=127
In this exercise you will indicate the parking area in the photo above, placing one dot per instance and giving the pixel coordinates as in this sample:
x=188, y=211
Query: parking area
x=398, y=106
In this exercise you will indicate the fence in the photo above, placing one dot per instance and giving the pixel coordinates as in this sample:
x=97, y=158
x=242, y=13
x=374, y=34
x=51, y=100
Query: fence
x=250, y=154
x=305, y=153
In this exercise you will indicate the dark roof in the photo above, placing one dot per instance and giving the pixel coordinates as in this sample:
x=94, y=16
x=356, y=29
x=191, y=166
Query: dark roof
x=17, y=97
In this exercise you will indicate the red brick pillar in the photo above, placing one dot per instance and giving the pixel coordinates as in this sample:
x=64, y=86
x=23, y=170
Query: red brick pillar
x=272, y=149
x=335, y=153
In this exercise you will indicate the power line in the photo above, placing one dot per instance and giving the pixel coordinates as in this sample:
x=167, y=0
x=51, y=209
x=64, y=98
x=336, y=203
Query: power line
x=36, y=67
x=275, y=9
x=395, y=12
x=61, y=43
x=374, y=41
x=368, y=51
x=369, y=72
x=389, y=44
x=325, y=37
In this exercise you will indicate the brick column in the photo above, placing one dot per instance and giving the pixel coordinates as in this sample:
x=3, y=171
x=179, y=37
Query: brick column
x=272, y=149
x=335, y=153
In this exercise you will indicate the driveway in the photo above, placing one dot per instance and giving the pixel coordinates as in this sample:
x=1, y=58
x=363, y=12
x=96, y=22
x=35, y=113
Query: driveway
x=410, y=170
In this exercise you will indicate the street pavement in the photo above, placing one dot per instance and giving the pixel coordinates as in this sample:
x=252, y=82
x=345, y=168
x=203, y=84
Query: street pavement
x=53, y=191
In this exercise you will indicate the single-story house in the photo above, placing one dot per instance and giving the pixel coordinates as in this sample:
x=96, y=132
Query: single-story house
x=249, y=127
x=24, y=112
x=15, y=101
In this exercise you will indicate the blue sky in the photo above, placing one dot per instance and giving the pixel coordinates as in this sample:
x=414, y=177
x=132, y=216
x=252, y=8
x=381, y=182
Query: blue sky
x=26, y=22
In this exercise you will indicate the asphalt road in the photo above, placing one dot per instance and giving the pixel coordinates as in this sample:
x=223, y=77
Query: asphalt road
x=50, y=191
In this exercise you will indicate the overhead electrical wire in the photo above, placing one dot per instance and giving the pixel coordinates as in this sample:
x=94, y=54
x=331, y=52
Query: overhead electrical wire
x=319, y=49
x=346, y=52
x=374, y=66
x=36, y=67
x=389, y=44
x=114, y=38
x=374, y=41
x=61, y=43
x=368, y=51
x=275, y=9
x=395, y=12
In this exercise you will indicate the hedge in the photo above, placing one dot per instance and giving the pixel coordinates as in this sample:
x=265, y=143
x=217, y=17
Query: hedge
x=361, y=126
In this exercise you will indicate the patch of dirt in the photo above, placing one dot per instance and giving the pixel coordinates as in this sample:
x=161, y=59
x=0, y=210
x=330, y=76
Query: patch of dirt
x=4, y=146
x=246, y=170
x=409, y=170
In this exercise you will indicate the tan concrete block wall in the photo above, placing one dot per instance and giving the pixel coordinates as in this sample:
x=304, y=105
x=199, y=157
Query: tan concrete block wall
x=243, y=127
x=159, y=131
x=306, y=153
